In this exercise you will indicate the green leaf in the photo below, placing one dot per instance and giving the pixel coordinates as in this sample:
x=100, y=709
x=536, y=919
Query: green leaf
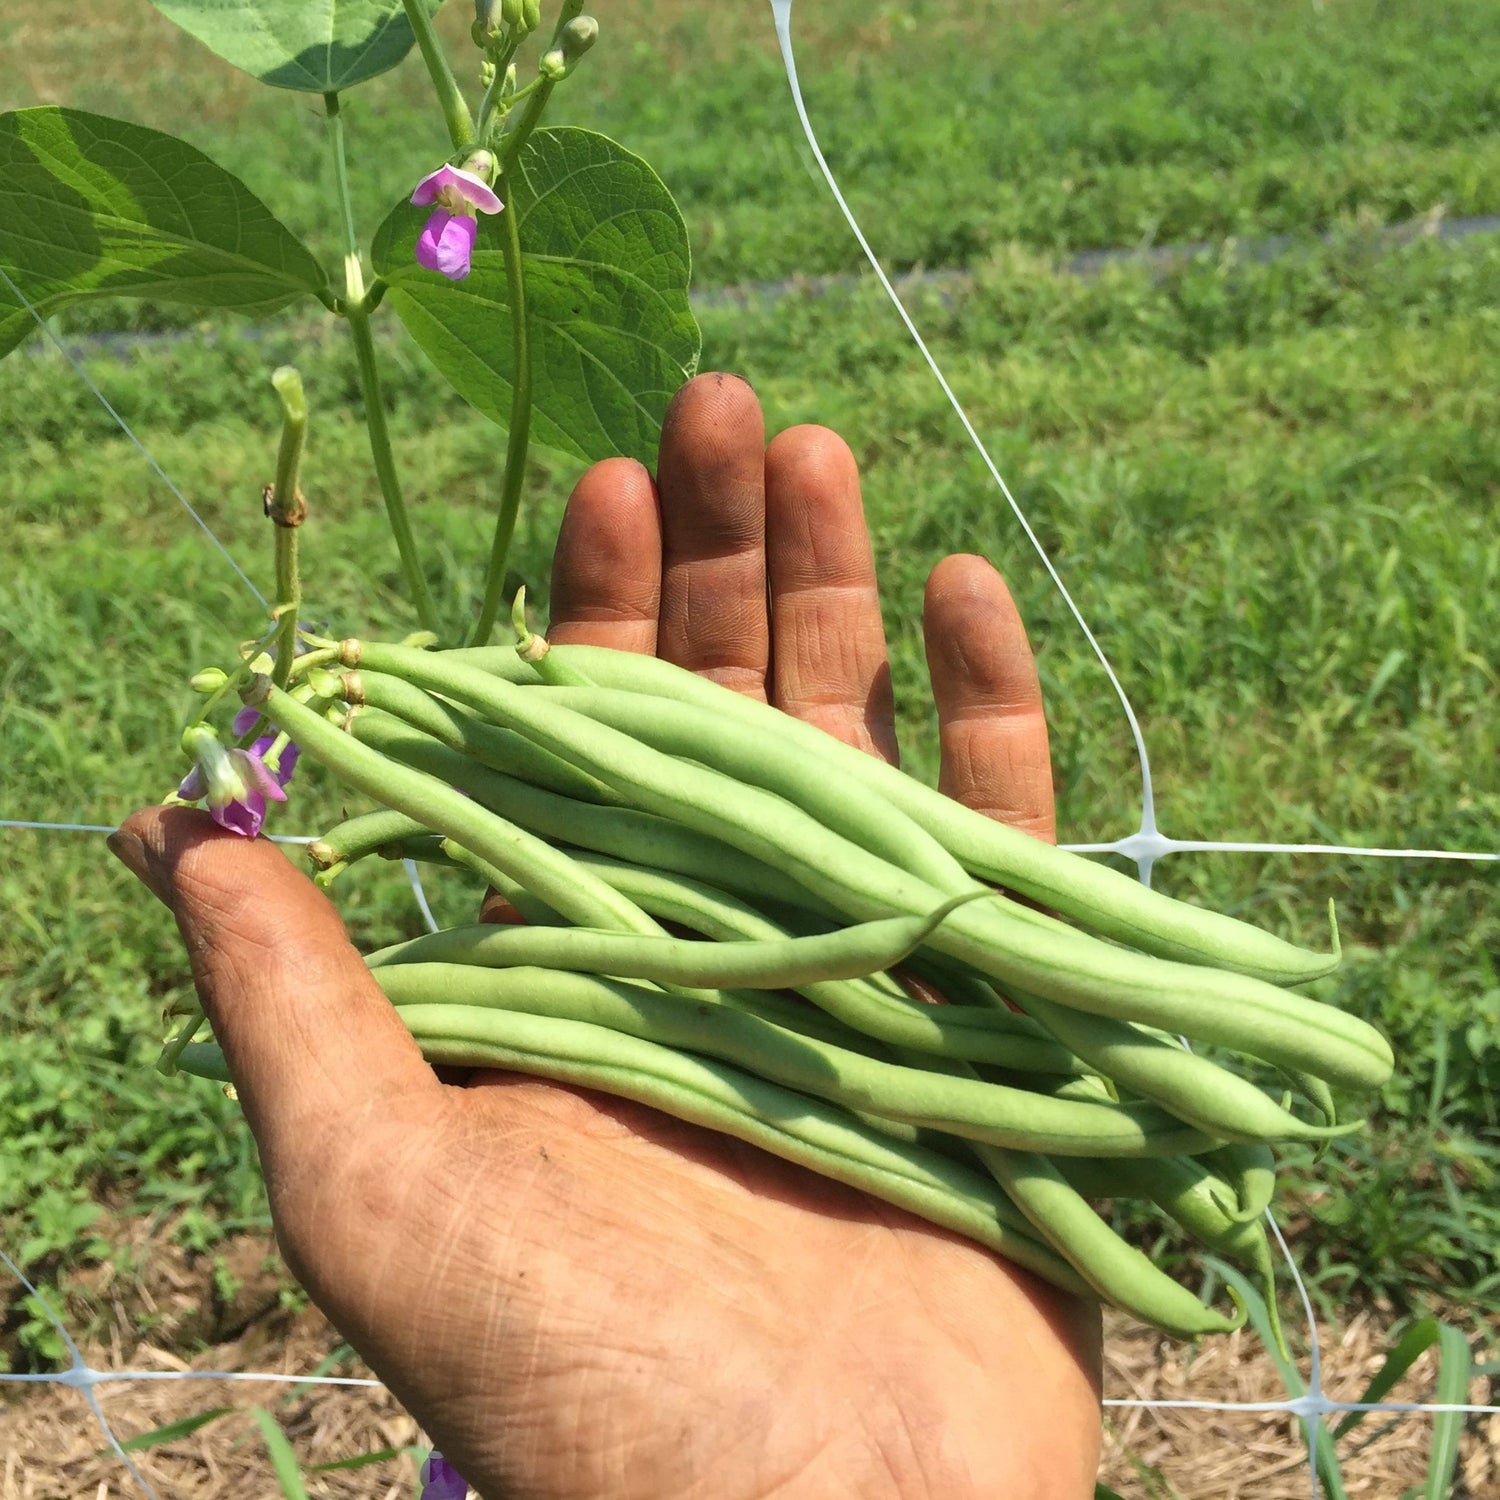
x=1313, y=1428
x=1417, y=1339
x=283, y=1459
x=319, y=46
x=170, y=1433
x=93, y=207
x=606, y=263
x=1455, y=1369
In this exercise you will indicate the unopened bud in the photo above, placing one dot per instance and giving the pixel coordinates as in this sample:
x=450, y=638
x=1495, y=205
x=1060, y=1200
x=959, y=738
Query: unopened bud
x=531, y=14
x=578, y=36
x=209, y=680
x=420, y=640
x=481, y=164
x=513, y=12
x=554, y=65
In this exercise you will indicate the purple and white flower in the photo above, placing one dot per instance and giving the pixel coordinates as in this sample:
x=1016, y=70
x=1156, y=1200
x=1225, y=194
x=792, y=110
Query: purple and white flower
x=457, y=194
x=237, y=783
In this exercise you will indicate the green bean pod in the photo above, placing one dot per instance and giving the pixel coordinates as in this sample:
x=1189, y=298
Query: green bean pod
x=620, y=831
x=1249, y=1170
x=500, y=749
x=1187, y=1189
x=358, y=838
x=430, y=802
x=787, y=963
x=1191, y=1087
x=681, y=730
x=722, y=1098
x=1012, y=943
x=962, y=1106
x=1105, y=900
x=1118, y=1272
x=881, y=1012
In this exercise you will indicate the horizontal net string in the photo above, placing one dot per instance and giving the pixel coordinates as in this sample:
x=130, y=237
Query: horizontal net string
x=1126, y=846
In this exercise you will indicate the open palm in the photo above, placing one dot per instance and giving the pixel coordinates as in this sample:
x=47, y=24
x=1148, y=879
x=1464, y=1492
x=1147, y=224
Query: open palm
x=579, y=1297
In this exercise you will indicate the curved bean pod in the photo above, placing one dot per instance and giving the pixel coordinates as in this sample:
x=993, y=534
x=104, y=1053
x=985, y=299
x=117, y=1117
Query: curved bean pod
x=1117, y=1272
x=1191, y=1087
x=1250, y=1172
x=428, y=801
x=1107, y=900
x=962, y=1106
x=876, y=1006
x=785, y=963
x=722, y=1098
x=1013, y=944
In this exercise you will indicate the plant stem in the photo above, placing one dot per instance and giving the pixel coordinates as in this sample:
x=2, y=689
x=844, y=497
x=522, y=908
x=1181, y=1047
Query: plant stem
x=455, y=110
x=356, y=311
x=288, y=512
x=385, y=466
x=511, y=142
x=520, y=422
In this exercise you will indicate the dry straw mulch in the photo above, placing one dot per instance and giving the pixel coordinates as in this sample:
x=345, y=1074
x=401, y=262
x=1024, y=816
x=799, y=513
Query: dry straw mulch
x=50, y=1443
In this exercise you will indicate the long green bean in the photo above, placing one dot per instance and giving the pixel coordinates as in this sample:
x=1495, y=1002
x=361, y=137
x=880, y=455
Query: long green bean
x=1107, y=900
x=1191, y=1087
x=785, y=963
x=962, y=1106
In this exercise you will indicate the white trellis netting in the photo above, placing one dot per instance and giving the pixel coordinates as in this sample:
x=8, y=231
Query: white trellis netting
x=1145, y=846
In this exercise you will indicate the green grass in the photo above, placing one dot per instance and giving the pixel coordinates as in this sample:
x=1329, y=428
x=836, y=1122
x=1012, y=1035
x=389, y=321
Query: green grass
x=1271, y=487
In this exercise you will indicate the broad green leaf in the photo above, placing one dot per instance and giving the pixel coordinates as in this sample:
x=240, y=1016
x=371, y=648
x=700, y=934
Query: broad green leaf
x=606, y=263
x=93, y=207
x=319, y=46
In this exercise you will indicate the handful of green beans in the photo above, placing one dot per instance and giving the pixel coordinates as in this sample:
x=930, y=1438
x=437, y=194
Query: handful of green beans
x=606, y=794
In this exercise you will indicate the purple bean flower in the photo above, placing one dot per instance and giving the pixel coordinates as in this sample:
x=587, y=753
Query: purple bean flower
x=441, y=1481
x=237, y=783
x=446, y=243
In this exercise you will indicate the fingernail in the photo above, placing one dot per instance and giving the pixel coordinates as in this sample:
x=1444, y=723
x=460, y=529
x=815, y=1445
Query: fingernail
x=132, y=852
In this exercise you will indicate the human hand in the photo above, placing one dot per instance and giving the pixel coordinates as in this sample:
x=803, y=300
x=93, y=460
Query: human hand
x=579, y=1297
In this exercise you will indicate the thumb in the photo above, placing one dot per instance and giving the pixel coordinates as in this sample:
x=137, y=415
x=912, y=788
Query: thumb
x=313, y=1045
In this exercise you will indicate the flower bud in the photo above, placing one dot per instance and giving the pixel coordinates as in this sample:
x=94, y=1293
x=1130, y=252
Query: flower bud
x=209, y=680
x=481, y=164
x=513, y=12
x=554, y=65
x=531, y=11
x=578, y=36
